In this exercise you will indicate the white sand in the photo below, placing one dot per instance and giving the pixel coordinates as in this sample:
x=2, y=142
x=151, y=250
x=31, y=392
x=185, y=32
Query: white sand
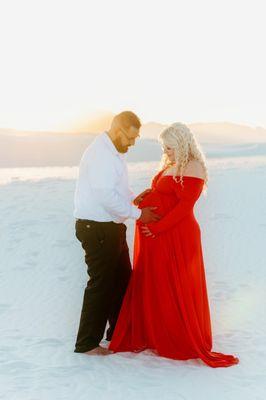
x=43, y=276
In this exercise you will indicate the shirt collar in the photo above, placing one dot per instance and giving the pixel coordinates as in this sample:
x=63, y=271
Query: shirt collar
x=111, y=145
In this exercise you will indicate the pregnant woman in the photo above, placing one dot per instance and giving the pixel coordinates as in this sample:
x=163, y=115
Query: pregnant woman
x=166, y=308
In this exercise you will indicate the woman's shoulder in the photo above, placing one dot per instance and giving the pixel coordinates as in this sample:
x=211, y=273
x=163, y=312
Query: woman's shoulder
x=195, y=169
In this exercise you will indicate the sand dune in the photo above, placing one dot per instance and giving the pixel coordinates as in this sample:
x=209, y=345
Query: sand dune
x=41, y=149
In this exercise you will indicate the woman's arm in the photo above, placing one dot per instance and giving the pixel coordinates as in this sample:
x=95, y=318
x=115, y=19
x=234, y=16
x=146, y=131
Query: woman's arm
x=186, y=196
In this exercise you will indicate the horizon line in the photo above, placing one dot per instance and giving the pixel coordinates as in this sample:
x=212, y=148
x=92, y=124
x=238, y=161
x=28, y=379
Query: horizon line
x=145, y=123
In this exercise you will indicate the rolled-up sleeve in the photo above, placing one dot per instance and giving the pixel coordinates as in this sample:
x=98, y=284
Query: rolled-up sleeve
x=115, y=204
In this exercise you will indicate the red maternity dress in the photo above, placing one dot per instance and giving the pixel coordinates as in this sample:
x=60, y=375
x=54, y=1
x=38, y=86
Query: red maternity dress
x=166, y=308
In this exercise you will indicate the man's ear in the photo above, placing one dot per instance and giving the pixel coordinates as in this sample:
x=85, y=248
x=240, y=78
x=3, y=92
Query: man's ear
x=115, y=125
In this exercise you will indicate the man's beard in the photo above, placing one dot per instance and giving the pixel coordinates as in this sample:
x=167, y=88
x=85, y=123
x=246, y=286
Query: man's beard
x=119, y=147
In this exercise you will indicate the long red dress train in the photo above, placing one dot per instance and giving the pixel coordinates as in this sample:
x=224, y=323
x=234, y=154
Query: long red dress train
x=166, y=308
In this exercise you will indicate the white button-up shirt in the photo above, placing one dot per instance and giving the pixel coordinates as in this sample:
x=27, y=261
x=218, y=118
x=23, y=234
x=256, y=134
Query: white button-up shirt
x=102, y=192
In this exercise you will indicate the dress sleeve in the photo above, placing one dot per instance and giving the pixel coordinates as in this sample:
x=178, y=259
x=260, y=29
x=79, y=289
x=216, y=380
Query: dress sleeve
x=186, y=195
x=155, y=179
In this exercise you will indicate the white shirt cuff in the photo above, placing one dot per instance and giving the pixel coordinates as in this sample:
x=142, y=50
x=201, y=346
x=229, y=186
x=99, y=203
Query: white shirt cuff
x=132, y=195
x=135, y=212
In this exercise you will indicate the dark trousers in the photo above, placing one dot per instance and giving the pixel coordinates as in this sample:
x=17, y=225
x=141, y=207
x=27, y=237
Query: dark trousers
x=109, y=270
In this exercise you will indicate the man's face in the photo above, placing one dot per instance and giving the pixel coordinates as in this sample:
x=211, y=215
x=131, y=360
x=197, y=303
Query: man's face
x=126, y=137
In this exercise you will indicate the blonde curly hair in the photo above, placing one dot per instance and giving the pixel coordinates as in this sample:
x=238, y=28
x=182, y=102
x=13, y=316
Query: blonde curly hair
x=179, y=137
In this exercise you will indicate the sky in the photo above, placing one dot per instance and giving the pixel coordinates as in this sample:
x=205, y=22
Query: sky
x=65, y=64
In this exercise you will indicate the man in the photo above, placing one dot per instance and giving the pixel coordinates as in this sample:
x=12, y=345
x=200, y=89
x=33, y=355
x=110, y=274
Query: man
x=103, y=201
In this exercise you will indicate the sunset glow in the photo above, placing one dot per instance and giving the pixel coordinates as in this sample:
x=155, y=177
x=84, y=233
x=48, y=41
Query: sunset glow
x=64, y=63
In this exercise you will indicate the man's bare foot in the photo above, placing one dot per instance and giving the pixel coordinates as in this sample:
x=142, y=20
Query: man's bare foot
x=98, y=351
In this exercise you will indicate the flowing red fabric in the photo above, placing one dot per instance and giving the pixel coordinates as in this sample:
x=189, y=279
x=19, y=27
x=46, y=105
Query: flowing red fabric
x=166, y=308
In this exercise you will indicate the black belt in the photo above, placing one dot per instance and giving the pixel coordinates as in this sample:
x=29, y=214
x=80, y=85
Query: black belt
x=98, y=222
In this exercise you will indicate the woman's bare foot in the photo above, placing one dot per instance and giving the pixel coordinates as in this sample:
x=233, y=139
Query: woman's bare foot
x=98, y=351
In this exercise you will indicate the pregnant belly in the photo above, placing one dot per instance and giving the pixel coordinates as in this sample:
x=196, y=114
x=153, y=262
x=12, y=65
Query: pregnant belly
x=153, y=199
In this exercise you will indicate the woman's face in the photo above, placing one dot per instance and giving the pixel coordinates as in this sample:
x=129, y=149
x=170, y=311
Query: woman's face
x=169, y=151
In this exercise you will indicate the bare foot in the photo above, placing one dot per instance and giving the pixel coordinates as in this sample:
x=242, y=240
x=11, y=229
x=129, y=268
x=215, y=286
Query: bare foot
x=98, y=351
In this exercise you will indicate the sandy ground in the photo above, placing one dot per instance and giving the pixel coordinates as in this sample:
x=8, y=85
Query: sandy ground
x=43, y=276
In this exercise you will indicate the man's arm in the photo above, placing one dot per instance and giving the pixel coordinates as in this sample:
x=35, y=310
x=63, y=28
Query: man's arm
x=115, y=204
x=104, y=183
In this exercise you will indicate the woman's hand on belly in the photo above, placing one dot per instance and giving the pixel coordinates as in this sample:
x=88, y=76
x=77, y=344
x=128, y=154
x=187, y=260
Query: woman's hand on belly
x=145, y=231
x=141, y=196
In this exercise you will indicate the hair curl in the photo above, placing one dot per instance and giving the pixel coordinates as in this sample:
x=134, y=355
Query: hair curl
x=179, y=137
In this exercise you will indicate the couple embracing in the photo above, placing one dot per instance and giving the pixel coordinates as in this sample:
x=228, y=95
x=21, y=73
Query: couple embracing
x=162, y=303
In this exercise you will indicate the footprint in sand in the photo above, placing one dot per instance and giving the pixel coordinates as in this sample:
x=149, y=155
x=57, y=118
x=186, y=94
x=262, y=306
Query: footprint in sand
x=34, y=253
x=15, y=366
x=49, y=342
x=218, y=295
x=62, y=268
x=63, y=278
x=61, y=243
x=31, y=263
x=220, y=283
x=244, y=285
x=221, y=216
x=34, y=234
x=4, y=307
